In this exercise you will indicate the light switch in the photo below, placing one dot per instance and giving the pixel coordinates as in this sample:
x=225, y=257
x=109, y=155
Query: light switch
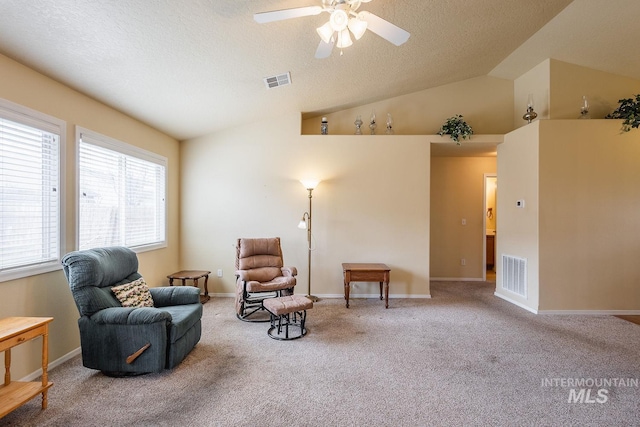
x=464, y=221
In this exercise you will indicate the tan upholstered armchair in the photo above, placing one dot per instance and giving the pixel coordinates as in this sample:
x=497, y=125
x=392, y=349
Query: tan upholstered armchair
x=261, y=274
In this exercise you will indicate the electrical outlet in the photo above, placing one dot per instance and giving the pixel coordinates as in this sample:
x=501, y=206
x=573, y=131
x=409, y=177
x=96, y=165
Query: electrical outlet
x=219, y=272
x=463, y=261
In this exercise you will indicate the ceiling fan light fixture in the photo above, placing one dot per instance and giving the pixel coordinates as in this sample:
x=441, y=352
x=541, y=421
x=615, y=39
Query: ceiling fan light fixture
x=344, y=39
x=357, y=27
x=325, y=32
x=339, y=19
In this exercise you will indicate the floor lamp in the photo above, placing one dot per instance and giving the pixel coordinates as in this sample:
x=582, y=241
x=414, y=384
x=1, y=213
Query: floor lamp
x=305, y=222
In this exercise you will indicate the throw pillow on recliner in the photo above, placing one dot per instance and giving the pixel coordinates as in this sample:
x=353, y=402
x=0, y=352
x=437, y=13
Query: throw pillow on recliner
x=134, y=294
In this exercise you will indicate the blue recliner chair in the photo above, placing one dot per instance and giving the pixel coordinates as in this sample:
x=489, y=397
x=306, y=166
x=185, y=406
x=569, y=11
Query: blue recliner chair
x=122, y=341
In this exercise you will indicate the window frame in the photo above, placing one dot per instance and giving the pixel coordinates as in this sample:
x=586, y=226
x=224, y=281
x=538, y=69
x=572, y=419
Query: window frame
x=127, y=150
x=36, y=119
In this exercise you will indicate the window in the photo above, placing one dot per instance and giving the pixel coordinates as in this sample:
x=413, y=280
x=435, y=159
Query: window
x=121, y=194
x=31, y=217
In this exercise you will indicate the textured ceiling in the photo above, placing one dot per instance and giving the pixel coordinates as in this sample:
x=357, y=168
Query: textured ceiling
x=193, y=67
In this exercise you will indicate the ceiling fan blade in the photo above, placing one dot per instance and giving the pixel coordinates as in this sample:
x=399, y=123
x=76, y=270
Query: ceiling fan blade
x=279, y=15
x=385, y=29
x=324, y=49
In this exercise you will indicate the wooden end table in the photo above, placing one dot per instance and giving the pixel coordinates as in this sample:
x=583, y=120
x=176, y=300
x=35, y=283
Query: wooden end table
x=15, y=331
x=366, y=272
x=194, y=275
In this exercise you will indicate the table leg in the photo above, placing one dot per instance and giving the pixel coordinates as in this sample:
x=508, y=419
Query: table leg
x=346, y=292
x=7, y=366
x=170, y=281
x=45, y=363
x=203, y=298
x=380, y=291
x=386, y=295
x=206, y=288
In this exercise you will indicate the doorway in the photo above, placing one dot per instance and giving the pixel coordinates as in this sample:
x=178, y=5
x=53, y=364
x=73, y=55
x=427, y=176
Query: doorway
x=490, y=226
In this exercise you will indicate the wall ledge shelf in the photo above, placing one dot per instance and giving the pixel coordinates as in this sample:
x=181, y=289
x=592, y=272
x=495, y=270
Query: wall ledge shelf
x=475, y=139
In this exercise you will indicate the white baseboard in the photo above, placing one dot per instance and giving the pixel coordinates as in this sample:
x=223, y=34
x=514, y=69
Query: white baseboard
x=519, y=304
x=59, y=361
x=456, y=279
x=573, y=312
x=593, y=312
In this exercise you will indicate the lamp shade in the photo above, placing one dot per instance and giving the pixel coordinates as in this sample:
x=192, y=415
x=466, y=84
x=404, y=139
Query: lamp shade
x=357, y=27
x=302, y=224
x=310, y=184
x=344, y=39
x=325, y=32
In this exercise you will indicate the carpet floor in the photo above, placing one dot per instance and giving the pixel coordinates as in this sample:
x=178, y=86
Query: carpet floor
x=463, y=357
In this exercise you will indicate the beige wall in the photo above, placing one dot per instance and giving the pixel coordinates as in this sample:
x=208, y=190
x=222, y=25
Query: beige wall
x=558, y=87
x=589, y=222
x=537, y=83
x=567, y=272
x=457, y=192
x=371, y=206
x=518, y=175
x=48, y=294
x=570, y=82
x=485, y=102
x=579, y=180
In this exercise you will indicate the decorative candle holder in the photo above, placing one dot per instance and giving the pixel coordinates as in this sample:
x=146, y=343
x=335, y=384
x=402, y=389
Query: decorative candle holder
x=530, y=115
x=358, y=124
x=324, y=126
x=584, y=110
x=389, y=124
x=372, y=123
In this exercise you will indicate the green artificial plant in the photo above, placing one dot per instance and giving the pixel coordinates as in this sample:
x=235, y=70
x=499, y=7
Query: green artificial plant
x=629, y=112
x=456, y=128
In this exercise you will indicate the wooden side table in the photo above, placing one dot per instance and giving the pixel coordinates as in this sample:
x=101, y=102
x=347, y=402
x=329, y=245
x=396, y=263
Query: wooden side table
x=15, y=331
x=194, y=275
x=366, y=272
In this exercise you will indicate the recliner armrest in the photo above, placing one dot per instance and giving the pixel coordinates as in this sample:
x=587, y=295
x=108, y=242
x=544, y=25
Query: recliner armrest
x=131, y=316
x=175, y=295
x=289, y=271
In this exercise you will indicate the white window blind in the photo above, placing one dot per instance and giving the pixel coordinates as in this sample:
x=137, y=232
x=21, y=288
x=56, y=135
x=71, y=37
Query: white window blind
x=30, y=192
x=121, y=194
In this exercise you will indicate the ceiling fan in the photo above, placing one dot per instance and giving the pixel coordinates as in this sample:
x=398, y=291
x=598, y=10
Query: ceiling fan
x=344, y=21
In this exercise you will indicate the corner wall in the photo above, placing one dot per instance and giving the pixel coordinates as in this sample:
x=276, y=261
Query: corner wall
x=569, y=82
x=558, y=87
x=536, y=82
x=518, y=175
x=48, y=294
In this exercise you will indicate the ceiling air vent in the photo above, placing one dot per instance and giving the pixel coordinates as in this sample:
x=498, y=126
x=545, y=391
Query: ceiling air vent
x=277, y=81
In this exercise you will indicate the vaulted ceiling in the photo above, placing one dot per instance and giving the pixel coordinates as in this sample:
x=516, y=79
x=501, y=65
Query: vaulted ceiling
x=194, y=67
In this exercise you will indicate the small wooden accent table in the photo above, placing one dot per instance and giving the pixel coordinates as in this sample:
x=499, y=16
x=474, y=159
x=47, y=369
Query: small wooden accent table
x=366, y=272
x=194, y=275
x=15, y=331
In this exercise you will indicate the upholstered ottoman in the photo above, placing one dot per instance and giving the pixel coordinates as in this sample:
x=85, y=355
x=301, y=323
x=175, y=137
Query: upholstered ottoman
x=288, y=316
